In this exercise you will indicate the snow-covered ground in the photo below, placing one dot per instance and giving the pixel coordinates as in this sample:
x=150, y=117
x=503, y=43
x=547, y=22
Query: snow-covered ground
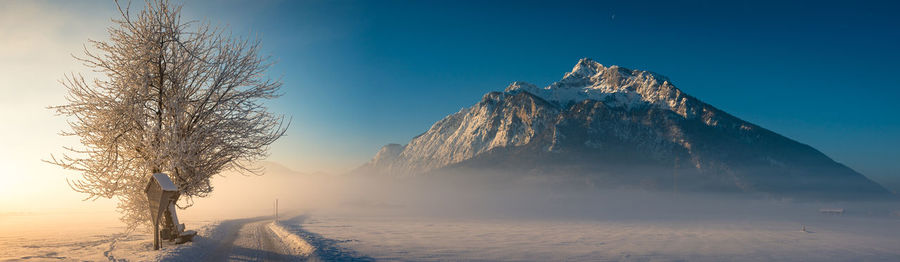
x=343, y=237
x=86, y=231
x=365, y=220
x=79, y=239
x=247, y=239
x=827, y=238
x=231, y=240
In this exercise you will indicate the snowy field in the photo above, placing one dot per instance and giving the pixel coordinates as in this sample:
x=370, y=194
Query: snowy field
x=82, y=239
x=465, y=222
x=247, y=239
x=365, y=220
x=396, y=236
x=828, y=238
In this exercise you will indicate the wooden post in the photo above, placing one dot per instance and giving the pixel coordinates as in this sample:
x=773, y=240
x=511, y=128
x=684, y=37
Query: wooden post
x=156, y=235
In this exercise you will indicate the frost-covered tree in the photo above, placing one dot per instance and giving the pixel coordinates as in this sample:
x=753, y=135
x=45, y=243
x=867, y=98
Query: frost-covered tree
x=183, y=98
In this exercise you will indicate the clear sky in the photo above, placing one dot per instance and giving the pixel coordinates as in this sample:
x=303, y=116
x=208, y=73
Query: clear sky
x=360, y=74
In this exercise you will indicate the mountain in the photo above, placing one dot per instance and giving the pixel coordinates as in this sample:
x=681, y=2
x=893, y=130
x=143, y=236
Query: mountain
x=613, y=127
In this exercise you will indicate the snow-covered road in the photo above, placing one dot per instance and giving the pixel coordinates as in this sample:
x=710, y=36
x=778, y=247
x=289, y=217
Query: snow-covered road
x=250, y=239
x=253, y=240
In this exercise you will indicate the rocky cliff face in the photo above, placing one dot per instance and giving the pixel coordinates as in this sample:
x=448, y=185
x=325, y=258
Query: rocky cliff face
x=617, y=127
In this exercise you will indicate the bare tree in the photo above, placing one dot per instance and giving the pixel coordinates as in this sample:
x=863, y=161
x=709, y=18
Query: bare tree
x=184, y=98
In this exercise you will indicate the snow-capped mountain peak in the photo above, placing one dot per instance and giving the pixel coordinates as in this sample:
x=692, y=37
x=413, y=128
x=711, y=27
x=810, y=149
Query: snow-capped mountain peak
x=619, y=127
x=614, y=85
x=585, y=68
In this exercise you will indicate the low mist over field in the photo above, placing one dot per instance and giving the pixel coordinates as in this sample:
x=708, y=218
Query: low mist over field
x=484, y=195
x=475, y=216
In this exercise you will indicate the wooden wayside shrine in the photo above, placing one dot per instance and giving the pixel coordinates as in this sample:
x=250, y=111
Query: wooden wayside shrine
x=162, y=194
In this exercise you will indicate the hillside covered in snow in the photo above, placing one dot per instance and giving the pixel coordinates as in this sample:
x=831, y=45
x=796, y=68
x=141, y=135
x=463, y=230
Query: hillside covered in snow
x=613, y=127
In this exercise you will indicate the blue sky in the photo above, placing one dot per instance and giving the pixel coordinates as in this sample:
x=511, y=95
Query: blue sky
x=361, y=74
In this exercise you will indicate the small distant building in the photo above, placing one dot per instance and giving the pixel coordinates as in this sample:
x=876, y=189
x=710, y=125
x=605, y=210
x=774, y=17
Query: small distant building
x=832, y=211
